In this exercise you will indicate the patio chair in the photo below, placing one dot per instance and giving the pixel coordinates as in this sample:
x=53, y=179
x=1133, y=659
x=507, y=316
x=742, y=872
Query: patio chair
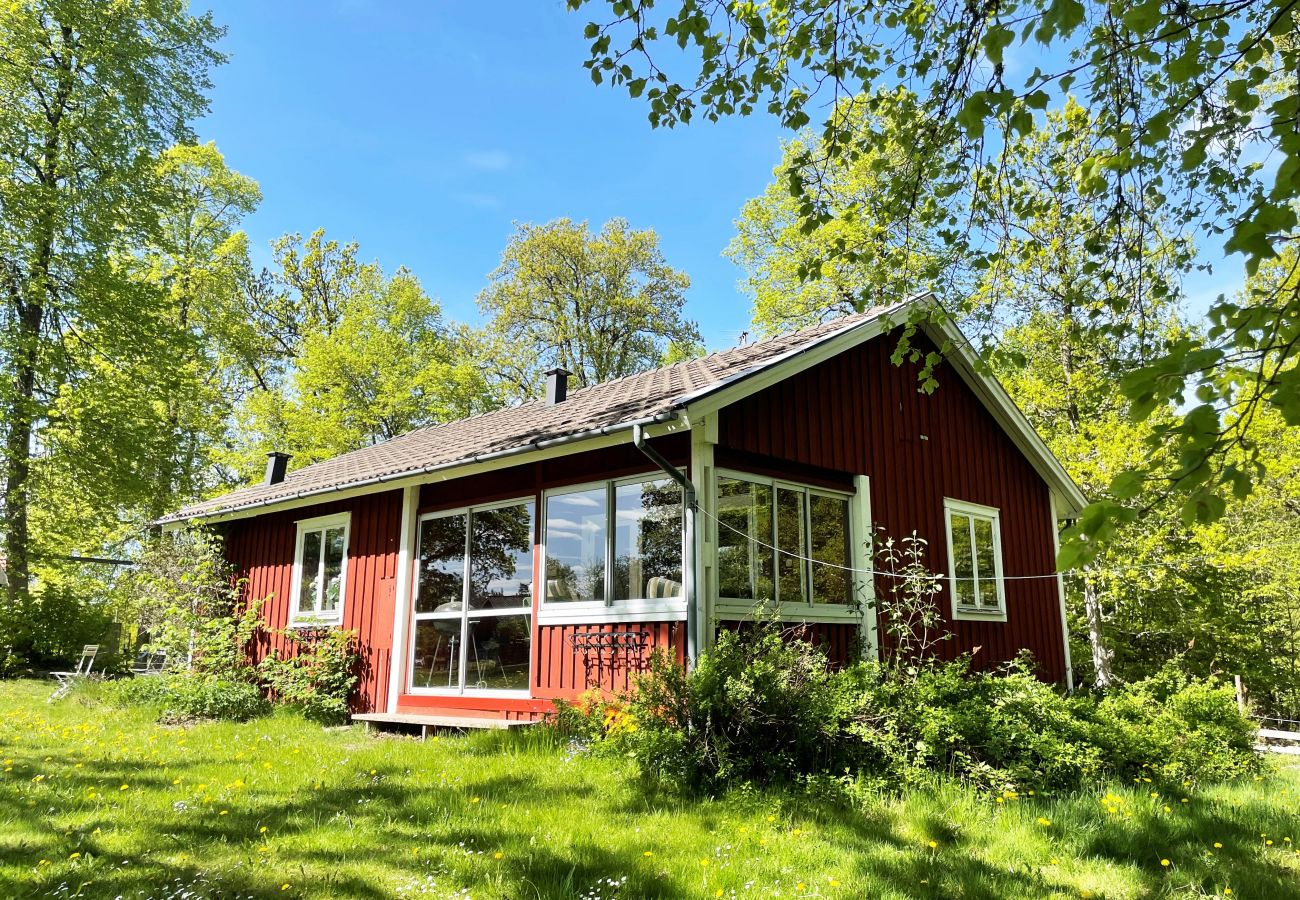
x=82, y=670
x=147, y=663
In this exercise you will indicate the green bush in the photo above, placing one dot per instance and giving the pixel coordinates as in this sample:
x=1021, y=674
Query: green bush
x=317, y=679
x=1173, y=727
x=760, y=708
x=182, y=697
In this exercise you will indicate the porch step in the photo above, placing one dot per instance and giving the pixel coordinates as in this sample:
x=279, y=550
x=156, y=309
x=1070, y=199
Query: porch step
x=434, y=723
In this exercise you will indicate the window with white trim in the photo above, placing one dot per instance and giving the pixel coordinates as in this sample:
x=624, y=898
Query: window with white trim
x=320, y=571
x=975, y=560
x=613, y=543
x=809, y=527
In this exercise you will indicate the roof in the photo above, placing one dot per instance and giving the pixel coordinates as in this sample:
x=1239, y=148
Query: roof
x=600, y=409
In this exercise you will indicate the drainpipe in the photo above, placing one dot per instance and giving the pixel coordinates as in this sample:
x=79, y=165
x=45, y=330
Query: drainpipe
x=688, y=536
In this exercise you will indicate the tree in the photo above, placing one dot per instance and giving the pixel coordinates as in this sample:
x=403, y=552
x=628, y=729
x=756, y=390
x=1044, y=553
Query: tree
x=600, y=305
x=92, y=91
x=350, y=357
x=796, y=275
x=1186, y=98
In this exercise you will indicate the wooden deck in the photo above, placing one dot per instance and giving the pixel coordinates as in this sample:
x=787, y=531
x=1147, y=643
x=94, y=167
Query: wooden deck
x=438, y=723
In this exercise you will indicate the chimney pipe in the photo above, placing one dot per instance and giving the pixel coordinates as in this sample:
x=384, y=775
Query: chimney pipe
x=277, y=464
x=557, y=385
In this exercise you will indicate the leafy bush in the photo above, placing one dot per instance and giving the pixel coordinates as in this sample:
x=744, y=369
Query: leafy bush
x=759, y=708
x=1173, y=727
x=181, y=697
x=319, y=678
x=49, y=627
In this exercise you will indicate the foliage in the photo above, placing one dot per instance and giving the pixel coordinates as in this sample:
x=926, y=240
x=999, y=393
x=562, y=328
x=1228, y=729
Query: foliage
x=318, y=678
x=350, y=357
x=763, y=708
x=93, y=93
x=1185, y=103
x=599, y=305
x=49, y=627
x=183, y=697
x=906, y=610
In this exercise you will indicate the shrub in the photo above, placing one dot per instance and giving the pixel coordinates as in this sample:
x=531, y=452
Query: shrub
x=319, y=678
x=182, y=697
x=756, y=708
x=759, y=708
x=1173, y=727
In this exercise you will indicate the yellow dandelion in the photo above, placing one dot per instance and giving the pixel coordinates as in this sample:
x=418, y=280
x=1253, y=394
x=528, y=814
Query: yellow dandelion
x=1044, y=821
x=1165, y=863
x=1054, y=861
x=704, y=862
x=933, y=844
x=285, y=886
x=648, y=853
x=262, y=830
x=124, y=787
x=799, y=886
x=718, y=892
x=498, y=855
x=1218, y=846
x=475, y=800
x=75, y=856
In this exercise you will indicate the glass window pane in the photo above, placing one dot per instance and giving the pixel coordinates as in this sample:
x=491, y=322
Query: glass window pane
x=648, y=540
x=310, y=587
x=436, y=659
x=441, y=576
x=744, y=527
x=791, y=539
x=988, y=592
x=498, y=652
x=334, y=552
x=501, y=558
x=963, y=560
x=830, y=544
x=575, y=546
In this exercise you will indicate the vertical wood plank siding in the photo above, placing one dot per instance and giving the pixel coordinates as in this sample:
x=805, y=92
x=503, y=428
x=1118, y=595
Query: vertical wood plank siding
x=262, y=551
x=858, y=413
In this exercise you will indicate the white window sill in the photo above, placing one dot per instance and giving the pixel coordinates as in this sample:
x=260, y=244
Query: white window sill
x=306, y=623
x=746, y=610
x=979, y=615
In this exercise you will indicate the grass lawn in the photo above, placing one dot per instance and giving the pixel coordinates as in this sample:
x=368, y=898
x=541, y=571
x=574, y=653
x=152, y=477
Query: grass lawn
x=97, y=802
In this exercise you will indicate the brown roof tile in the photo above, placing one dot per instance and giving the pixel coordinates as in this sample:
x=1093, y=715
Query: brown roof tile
x=601, y=406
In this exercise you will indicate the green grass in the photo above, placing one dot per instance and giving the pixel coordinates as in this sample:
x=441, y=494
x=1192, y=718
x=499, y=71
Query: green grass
x=97, y=802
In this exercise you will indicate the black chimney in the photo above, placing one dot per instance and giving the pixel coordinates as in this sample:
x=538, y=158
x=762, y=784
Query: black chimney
x=276, y=465
x=557, y=385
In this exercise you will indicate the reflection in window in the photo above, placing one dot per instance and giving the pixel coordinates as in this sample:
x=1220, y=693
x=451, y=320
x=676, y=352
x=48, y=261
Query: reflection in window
x=442, y=563
x=828, y=517
x=810, y=529
x=744, y=535
x=576, y=526
x=976, y=563
x=322, y=551
x=648, y=540
x=502, y=554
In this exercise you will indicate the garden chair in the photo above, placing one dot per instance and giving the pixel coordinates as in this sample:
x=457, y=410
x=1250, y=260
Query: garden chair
x=82, y=670
x=147, y=663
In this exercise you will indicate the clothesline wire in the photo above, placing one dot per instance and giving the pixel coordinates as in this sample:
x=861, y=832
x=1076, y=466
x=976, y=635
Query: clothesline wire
x=856, y=571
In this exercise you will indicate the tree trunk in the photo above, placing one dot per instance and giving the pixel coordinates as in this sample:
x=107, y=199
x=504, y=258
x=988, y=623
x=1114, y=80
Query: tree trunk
x=1103, y=674
x=17, y=461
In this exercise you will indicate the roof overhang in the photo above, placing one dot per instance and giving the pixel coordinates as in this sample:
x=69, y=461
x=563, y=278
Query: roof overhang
x=939, y=327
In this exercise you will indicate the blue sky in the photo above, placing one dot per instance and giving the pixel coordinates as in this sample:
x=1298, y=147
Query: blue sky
x=422, y=130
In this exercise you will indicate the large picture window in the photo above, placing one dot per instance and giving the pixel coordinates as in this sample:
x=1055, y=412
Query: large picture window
x=617, y=542
x=473, y=599
x=975, y=560
x=320, y=571
x=808, y=526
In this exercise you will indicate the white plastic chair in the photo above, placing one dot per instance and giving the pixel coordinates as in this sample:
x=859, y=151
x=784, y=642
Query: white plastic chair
x=82, y=670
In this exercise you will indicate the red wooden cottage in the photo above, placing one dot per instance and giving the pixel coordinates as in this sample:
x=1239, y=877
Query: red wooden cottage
x=494, y=564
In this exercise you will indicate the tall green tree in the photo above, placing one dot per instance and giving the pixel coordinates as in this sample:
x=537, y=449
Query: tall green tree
x=1186, y=99
x=350, y=357
x=601, y=305
x=92, y=92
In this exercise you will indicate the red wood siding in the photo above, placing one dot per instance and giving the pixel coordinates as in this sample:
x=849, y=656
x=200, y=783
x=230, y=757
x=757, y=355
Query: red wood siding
x=262, y=551
x=859, y=414
x=839, y=641
x=562, y=671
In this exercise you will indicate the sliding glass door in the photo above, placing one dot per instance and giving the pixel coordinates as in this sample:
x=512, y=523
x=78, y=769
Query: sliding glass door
x=474, y=600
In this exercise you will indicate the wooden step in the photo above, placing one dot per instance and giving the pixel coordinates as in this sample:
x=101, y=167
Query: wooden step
x=435, y=723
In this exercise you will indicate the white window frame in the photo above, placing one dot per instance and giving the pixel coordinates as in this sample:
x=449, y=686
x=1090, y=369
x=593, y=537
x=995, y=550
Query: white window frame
x=463, y=614
x=738, y=607
x=297, y=617
x=981, y=611
x=581, y=612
